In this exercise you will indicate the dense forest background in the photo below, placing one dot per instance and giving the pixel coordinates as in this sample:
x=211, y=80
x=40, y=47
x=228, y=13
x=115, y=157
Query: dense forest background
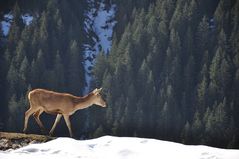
x=172, y=72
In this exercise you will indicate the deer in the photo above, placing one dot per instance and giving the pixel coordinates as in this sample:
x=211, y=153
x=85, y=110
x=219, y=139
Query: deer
x=59, y=104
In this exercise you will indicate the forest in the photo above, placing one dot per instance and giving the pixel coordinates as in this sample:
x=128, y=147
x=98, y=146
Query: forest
x=172, y=72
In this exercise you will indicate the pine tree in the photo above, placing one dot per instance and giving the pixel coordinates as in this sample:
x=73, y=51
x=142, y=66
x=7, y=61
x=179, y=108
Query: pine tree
x=117, y=53
x=75, y=72
x=15, y=30
x=12, y=80
x=175, y=42
x=202, y=93
x=12, y=107
x=202, y=39
x=186, y=133
x=16, y=113
x=165, y=119
x=189, y=84
x=142, y=76
x=152, y=26
x=59, y=73
x=43, y=32
x=23, y=75
x=20, y=54
x=38, y=68
x=163, y=33
x=3, y=72
x=197, y=128
x=100, y=68
x=192, y=12
x=178, y=18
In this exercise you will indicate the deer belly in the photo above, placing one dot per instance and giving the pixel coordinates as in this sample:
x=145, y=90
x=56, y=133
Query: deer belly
x=54, y=111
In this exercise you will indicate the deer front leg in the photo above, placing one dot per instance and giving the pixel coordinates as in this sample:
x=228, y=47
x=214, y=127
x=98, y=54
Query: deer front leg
x=36, y=115
x=28, y=113
x=68, y=123
x=58, y=117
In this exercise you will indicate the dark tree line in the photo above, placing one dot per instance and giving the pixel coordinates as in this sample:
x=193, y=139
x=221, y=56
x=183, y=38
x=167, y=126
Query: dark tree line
x=173, y=74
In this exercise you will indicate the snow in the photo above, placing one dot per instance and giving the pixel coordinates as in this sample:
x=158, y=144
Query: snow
x=27, y=18
x=7, y=19
x=98, y=25
x=109, y=147
x=6, y=23
x=103, y=26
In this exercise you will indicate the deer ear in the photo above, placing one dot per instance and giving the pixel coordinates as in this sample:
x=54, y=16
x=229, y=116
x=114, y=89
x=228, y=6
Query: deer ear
x=100, y=89
x=95, y=91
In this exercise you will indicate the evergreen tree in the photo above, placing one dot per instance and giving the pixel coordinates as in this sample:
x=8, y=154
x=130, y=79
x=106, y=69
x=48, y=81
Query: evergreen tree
x=59, y=73
x=23, y=76
x=16, y=111
x=101, y=68
x=38, y=68
x=186, y=134
x=75, y=72
x=12, y=80
x=197, y=128
x=202, y=39
x=15, y=29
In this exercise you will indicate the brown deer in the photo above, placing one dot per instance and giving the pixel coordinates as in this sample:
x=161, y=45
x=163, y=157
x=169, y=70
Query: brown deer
x=60, y=104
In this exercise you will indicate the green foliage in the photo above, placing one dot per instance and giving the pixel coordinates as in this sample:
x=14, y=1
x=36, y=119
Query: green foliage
x=14, y=124
x=99, y=71
x=75, y=69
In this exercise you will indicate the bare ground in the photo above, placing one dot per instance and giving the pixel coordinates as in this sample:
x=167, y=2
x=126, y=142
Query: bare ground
x=10, y=140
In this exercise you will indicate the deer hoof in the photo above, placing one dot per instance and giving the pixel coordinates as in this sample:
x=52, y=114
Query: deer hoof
x=50, y=133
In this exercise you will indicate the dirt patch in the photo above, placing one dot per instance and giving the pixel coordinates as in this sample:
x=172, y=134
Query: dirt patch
x=18, y=140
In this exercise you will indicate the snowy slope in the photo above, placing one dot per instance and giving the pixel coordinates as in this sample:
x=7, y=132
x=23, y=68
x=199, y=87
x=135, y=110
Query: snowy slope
x=98, y=25
x=109, y=147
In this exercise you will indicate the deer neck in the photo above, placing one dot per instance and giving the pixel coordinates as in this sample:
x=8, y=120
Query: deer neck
x=83, y=102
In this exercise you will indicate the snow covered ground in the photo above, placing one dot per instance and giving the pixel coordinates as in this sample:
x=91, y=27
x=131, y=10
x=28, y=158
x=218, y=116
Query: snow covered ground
x=109, y=147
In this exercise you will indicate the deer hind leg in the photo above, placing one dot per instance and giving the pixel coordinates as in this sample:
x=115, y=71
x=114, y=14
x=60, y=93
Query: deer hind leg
x=36, y=115
x=58, y=117
x=68, y=123
x=28, y=113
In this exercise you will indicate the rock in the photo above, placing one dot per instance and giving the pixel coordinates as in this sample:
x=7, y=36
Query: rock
x=9, y=141
x=5, y=144
x=23, y=144
x=26, y=140
x=15, y=146
x=33, y=142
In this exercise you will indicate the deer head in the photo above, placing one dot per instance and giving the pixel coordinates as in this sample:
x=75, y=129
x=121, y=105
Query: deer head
x=97, y=98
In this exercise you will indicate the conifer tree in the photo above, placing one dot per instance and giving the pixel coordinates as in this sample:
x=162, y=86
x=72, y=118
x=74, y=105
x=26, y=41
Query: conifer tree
x=101, y=68
x=59, y=73
x=75, y=79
